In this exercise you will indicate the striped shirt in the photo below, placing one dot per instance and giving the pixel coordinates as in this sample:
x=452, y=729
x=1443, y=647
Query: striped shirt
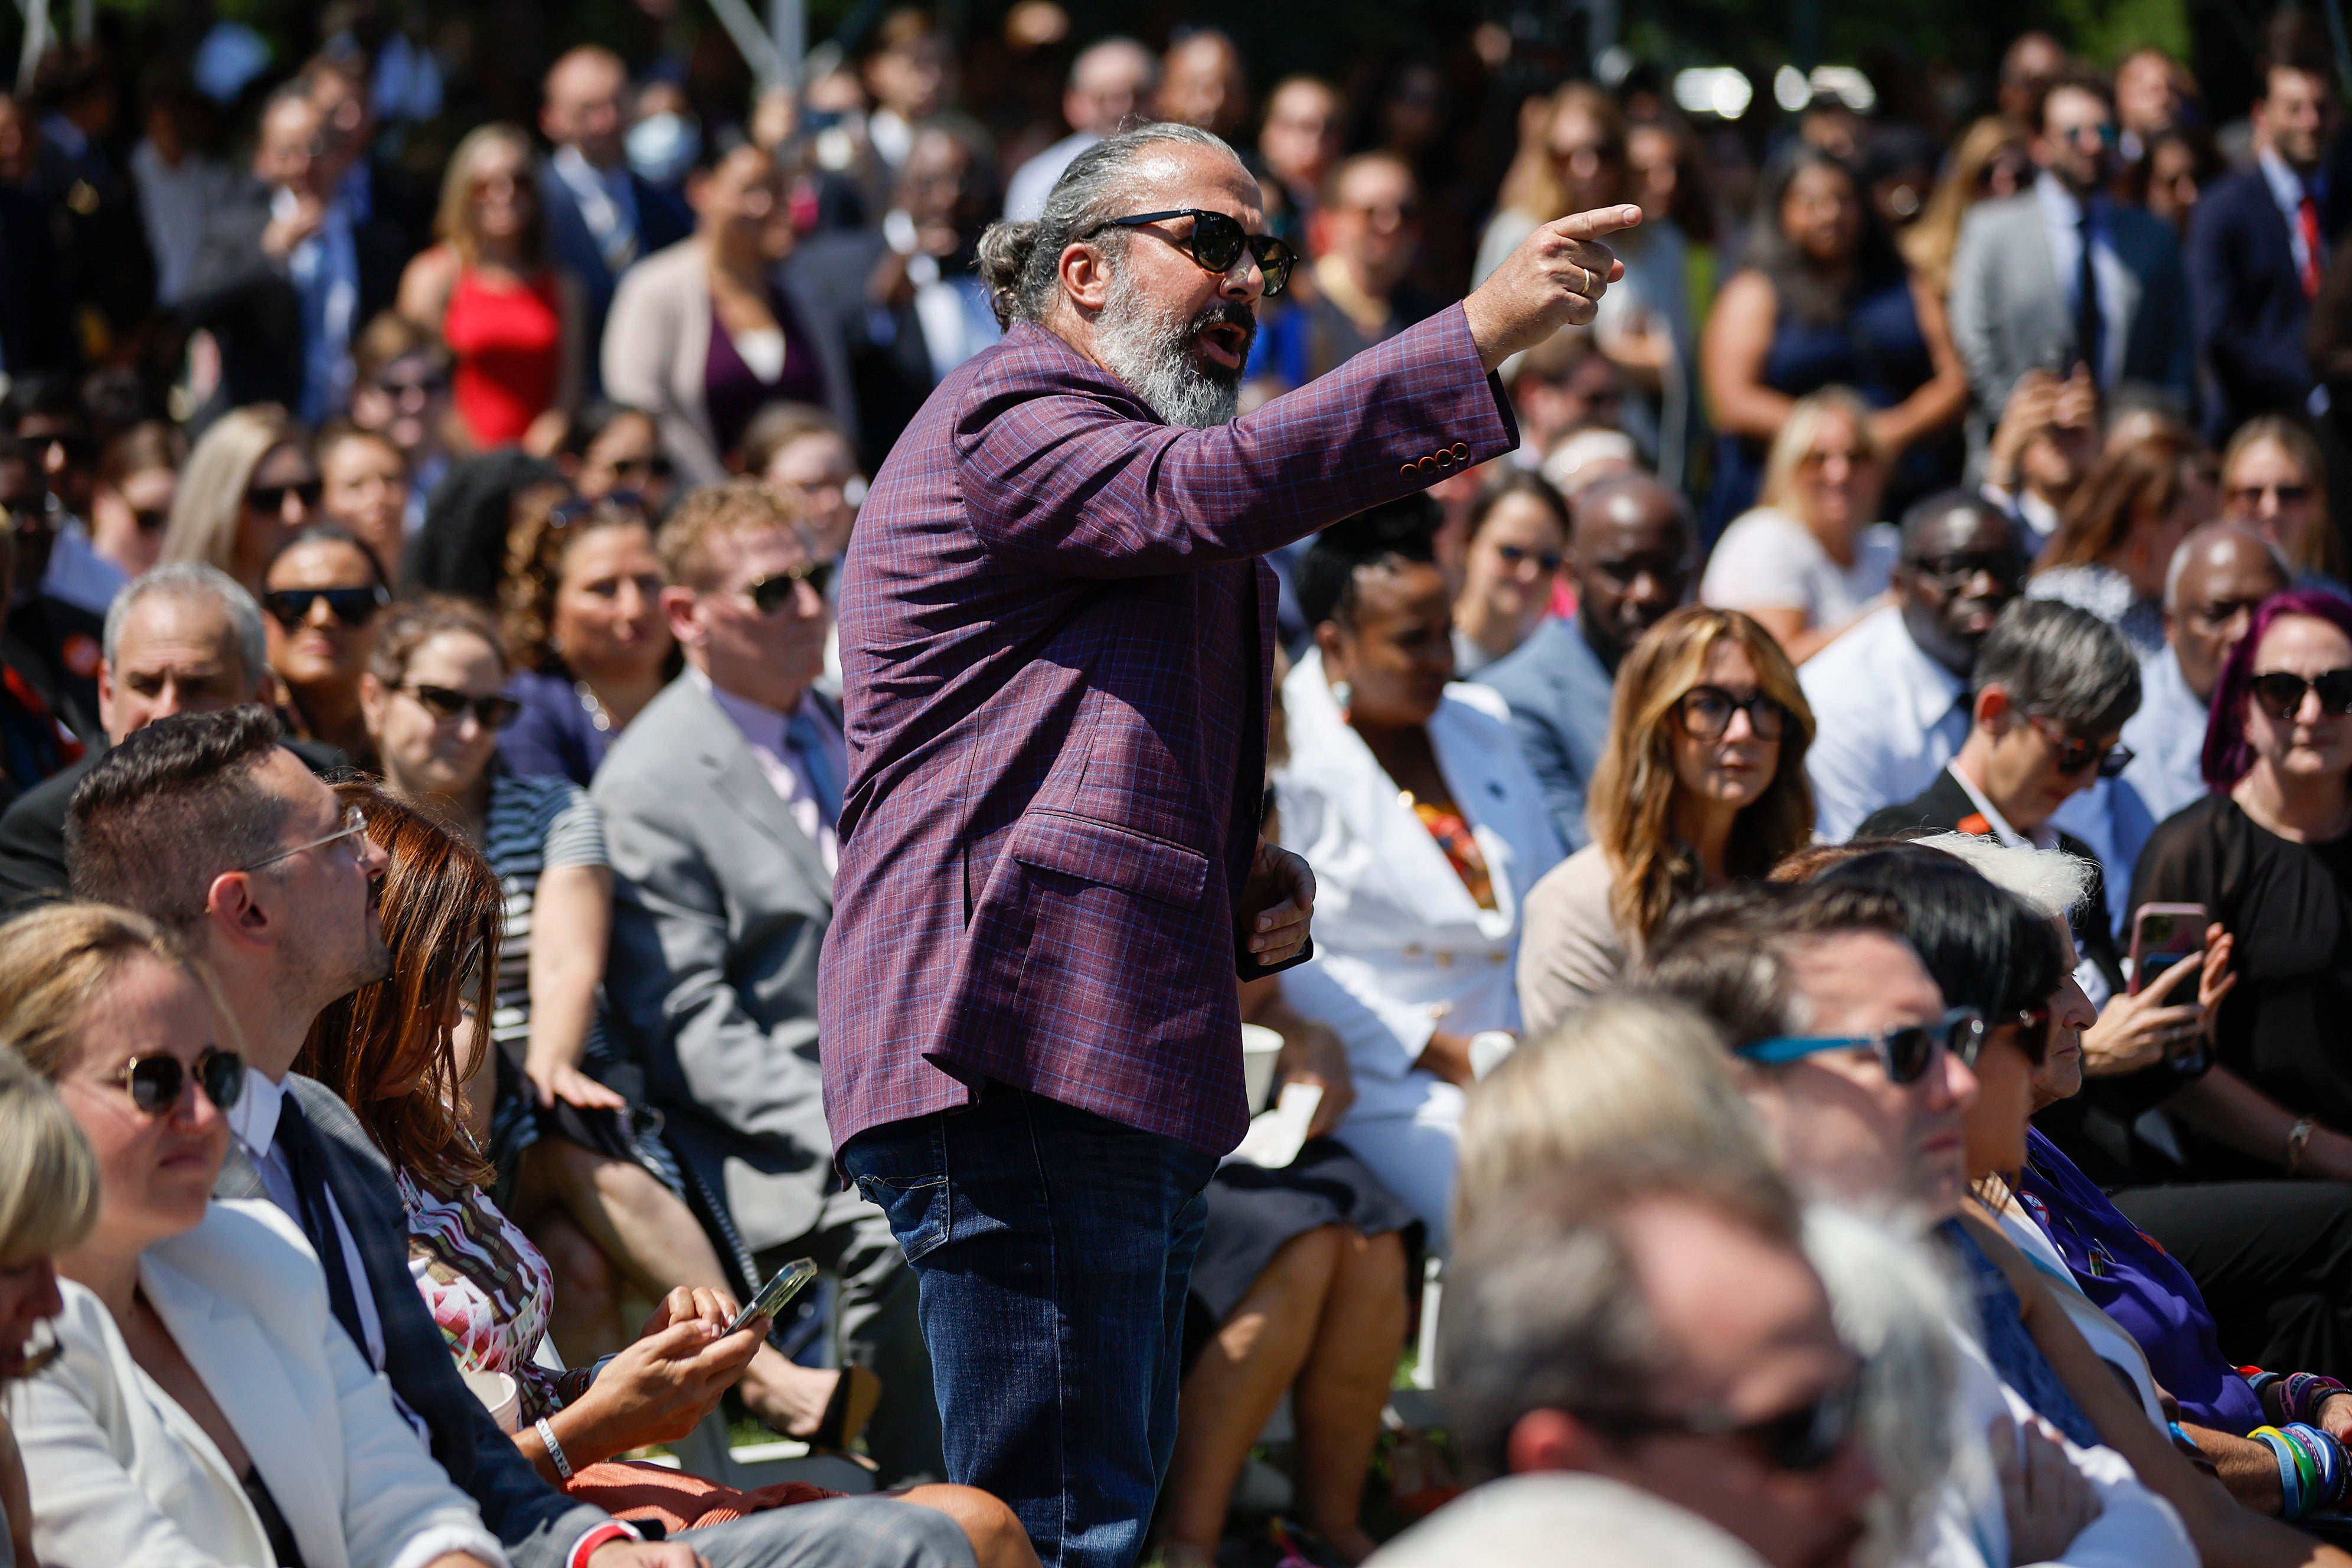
x=536, y=823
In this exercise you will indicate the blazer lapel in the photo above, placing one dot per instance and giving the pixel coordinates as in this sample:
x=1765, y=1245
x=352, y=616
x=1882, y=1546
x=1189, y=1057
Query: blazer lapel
x=247, y=1377
x=1485, y=799
x=737, y=779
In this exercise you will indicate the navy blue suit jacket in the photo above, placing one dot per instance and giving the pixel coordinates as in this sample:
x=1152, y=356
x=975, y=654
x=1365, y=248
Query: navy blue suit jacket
x=2250, y=309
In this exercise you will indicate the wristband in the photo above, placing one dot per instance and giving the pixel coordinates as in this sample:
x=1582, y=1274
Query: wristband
x=554, y=1449
x=604, y=1534
x=2306, y=1391
x=2290, y=1473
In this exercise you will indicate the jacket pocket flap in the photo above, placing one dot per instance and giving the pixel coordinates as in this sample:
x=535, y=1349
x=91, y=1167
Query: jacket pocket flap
x=1110, y=855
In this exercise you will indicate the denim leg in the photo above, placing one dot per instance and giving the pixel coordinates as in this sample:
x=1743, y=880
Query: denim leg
x=1052, y=1249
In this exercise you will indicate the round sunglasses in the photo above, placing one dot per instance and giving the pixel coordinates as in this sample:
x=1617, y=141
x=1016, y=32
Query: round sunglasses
x=156, y=1083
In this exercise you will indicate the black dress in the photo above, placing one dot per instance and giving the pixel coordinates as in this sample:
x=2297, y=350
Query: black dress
x=2283, y=1029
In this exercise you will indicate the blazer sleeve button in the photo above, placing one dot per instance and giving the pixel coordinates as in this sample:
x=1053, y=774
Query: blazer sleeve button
x=1408, y=470
x=1461, y=451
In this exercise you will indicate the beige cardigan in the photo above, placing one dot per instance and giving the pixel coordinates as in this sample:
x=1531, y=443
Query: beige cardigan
x=657, y=352
x=1570, y=951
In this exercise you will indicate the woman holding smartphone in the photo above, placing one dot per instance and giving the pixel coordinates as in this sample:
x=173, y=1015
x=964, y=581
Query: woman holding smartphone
x=2269, y=853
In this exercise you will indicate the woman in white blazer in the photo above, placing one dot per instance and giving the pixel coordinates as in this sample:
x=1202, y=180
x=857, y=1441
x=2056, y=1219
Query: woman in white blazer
x=206, y=1408
x=706, y=332
x=1425, y=828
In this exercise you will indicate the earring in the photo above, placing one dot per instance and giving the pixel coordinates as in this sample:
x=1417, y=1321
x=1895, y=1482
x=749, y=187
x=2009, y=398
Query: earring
x=1344, y=696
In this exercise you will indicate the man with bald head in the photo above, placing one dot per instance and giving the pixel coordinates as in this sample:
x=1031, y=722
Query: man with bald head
x=601, y=216
x=184, y=639
x=2219, y=574
x=1057, y=636
x=1110, y=83
x=1890, y=698
x=1631, y=555
x=1203, y=83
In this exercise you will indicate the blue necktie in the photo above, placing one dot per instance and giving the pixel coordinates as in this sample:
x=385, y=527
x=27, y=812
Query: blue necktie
x=806, y=737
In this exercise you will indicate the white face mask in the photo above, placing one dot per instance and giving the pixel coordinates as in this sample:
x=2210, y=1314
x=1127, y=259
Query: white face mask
x=663, y=147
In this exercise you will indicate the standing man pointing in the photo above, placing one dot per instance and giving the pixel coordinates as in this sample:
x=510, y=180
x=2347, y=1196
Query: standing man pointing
x=1058, y=641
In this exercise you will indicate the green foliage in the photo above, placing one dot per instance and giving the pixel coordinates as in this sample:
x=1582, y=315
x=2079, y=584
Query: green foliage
x=2104, y=31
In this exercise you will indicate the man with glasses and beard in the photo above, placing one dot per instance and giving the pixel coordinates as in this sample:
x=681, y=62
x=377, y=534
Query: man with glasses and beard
x=1058, y=643
x=2051, y=689
x=1890, y=696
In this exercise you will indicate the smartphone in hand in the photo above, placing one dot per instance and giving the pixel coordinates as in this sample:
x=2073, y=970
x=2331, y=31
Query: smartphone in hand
x=780, y=1288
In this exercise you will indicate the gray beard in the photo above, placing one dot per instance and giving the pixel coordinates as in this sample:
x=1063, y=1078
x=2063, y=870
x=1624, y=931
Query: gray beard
x=1151, y=352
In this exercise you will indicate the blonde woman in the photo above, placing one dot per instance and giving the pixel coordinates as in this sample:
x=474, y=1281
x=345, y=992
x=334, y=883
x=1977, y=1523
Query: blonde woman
x=49, y=1202
x=515, y=325
x=1989, y=162
x=248, y=487
x=207, y=1407
x=1702, y=783
x=2274, y=477
x=1811, y=559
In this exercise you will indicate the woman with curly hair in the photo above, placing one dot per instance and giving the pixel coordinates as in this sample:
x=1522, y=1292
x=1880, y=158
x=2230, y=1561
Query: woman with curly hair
x=581, y=606
x=1702, y=783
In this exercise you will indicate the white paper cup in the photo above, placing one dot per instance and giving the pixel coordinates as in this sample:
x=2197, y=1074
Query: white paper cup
x=500, y=1394
x=1259, y=1047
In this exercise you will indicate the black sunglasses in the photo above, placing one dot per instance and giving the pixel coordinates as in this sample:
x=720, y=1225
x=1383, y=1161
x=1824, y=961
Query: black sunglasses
x=272, y=498
x=1905, y=1052
x=349, y=606
x=658, y=466
x=155, y=1082
x=2075, y=753
x=1513, y=554
x=1216, y=243
x=442, y=702
x=152, y=521
x=1706, y=713
x=1801, y=1439
x=2007, y=566
x=774, y=591
x=2281, y=692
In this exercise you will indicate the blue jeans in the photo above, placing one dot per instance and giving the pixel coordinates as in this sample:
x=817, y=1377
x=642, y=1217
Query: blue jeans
x=1052, y=1248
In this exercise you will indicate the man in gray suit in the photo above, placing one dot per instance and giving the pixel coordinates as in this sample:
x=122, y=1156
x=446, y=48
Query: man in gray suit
x=204, y=823
x=2028, y=291
x=1631, y=555
x=720, y=804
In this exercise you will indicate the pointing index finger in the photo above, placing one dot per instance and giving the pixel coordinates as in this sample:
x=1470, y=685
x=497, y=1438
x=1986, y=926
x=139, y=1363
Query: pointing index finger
x=1598, y=222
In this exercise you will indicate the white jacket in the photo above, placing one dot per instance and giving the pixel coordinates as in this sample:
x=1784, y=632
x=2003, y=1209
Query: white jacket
x=1400, y=943
x=123, y=1477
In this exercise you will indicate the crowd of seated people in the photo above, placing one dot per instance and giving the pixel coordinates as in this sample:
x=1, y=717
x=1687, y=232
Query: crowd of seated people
x=1832, y=857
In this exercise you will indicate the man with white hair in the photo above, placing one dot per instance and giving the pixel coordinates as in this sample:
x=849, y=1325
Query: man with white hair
x=2219, y=573
x=1058, y=639
x=182, y=638
x=1109, y=83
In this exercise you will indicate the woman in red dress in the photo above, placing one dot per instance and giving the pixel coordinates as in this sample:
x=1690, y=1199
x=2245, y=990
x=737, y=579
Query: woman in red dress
x=514, y=323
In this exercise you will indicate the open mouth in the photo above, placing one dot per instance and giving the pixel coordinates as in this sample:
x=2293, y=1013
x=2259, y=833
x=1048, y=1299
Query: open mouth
x=1225, y=343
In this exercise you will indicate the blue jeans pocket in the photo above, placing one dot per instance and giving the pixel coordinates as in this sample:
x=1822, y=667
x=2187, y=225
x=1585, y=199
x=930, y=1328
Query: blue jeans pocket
x=917, y=1208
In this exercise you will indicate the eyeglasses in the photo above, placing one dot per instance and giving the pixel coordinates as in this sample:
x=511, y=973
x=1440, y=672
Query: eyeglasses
x=1906, y=1051
x=1513, y=554
x=2036, y=1027
x=656, y=467
x=1801, y=1439
x=1216, y=243
x=446, y=703
x=349, y=606
x=1704, y=713
x=774, y=591
x=2005, y=566
x=419, y=390
x=2280, y=691
x=272, y=498
x=355, y=826
x=156, y=1083
x=151, y=522
x=2251, y=495
x=2075, y=753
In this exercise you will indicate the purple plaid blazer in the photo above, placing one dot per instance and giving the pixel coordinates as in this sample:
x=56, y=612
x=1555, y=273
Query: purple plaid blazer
x=1058, y=640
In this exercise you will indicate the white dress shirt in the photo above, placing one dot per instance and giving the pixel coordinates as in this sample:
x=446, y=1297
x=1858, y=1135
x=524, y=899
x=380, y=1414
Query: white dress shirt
x=1887, y=719
x=254, y=1120
x=2061, y=219
x=2086, y=973
x=608, y=204
x=781, y=763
